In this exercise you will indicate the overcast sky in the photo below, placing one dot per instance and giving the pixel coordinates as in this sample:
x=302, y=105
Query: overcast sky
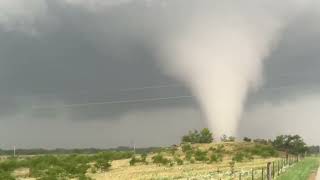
x=60, y=52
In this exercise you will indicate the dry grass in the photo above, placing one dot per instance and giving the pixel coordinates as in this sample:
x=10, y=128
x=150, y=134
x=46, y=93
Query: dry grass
x=122, y=170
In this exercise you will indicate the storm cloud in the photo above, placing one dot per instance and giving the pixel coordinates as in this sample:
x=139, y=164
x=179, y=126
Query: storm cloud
x=65, y=52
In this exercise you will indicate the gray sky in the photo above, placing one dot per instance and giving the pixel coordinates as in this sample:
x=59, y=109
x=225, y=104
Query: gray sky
x=76, y=52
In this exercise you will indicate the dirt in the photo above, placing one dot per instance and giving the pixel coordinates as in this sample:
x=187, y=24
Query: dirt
x=315, y=175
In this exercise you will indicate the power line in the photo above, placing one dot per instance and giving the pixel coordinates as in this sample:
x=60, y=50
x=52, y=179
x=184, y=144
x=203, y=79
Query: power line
x=116, y=102
x=142, y=100
x=151, y=87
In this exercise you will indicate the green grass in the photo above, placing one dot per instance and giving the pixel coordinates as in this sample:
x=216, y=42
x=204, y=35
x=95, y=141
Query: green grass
x=302, y=170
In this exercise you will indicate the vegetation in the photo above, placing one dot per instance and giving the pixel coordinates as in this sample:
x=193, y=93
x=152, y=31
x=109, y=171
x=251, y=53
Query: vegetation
x=290, y=144
x=134, y=160
x=192, y=156
x=75, y=151
x=225, y=138
x=204, y=136
x=201, y=155
x=301, y=170
x=264, y=151
x=261, y=141
x=246, y=139
x=159, y=159
x=216, y=158
x=62, y=166
x=314, y=150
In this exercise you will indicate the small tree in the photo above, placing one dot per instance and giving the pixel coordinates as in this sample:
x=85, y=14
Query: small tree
x=204, y=136
x=246, y=139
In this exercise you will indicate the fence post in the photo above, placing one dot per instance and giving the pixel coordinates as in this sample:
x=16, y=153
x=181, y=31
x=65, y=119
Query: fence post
x=273, y=169
x=262, y=173
x=269, y=175
x=278, y=168
x=252, y=174
x=240, y=175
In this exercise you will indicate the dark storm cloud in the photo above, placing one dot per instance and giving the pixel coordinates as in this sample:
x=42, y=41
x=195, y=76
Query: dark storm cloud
x=81, y=56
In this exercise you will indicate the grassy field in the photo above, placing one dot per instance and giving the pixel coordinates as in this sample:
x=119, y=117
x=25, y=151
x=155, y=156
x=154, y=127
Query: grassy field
x=197, y=161
x=302, y=170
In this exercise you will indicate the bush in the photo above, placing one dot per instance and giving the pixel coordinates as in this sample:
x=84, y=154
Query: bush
x=144, y=158
x=189, y=155
x=241, y=156
x=178, y=161
x=201, y=155
x=186, y=147
x=135, y=160
x=159, y=159
x=263, y=151
x=216, y=158
x=6, y=175
x=246, y=139
x=103, y=164
x=238, y=157
x=261, y=141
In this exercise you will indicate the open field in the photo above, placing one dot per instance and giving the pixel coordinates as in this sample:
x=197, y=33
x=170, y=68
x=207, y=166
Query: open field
x=187, y=171
x=197, y=161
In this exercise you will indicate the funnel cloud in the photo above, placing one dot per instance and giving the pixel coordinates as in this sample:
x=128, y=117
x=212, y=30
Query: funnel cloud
x=221, y=52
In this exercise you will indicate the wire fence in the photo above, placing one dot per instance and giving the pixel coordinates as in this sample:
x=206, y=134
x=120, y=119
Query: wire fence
x=271, y=170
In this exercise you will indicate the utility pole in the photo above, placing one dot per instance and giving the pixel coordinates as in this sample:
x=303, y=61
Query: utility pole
x=133, y=146
x=14, y=151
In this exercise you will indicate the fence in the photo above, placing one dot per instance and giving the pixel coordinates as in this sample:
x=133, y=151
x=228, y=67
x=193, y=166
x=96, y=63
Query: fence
x=270, y=171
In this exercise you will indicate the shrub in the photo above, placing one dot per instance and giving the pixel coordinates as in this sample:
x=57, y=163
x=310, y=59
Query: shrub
x=201, y=155
x=216, y=158
x=135, y=160
x=178, y=161
x=186, y=147
x=241, y=156
x=261, y=141
x=246, y=139
x=103, y=164
x=219, y=150
x=144, y=158
x=6, y=175
x=159, y=159
x=189, y=155
x=238, y=157
x=263, y=151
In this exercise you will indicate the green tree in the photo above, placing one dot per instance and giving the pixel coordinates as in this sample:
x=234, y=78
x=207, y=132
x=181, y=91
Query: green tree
x=246, y=139
x=292, y=144
x=204, y=136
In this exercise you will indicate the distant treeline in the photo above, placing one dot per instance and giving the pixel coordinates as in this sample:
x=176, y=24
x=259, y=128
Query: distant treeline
x=75, y=151
x=314, y=150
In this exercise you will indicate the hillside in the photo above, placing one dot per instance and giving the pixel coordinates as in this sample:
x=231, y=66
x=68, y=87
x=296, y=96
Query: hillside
x=199, y=161
x=204, y=161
